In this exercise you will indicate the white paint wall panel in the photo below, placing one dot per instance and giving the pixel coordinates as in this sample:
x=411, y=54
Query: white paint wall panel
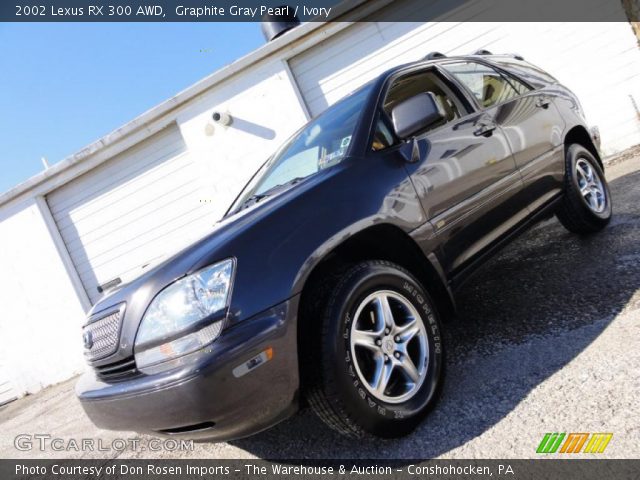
x=42, y=316
x=599, y=61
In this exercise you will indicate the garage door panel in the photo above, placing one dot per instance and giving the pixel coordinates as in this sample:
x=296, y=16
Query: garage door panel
x=98, y=254
x=131, y=210
x=112, y=176
x=109, y=260
x=97, y=228
x=122, y=194
x=114, y=206
x=121, y=186
x=173, y=239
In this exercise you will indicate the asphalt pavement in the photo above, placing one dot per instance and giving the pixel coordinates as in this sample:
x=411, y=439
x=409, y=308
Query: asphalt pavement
x=547, y=339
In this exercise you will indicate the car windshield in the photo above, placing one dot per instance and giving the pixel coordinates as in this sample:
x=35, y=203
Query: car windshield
x=322, y=143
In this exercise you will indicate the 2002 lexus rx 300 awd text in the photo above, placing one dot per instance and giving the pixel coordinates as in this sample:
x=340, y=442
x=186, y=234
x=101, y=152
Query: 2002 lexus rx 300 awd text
x=330, y=276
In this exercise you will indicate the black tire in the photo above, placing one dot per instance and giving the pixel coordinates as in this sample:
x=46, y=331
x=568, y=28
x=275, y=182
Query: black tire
x=335, y=388
x=574, y=211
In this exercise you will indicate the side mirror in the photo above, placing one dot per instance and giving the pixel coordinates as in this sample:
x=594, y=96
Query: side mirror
x=415, y=114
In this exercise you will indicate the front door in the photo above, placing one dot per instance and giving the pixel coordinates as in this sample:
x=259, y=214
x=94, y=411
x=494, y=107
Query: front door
x=465, y=174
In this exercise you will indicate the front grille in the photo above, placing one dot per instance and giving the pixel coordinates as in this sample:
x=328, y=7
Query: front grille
x=102, y=336
x=117, y=371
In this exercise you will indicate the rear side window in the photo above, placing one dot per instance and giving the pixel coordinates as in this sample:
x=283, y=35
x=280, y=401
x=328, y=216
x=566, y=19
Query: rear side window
x=520, y=87
x=527, y=71
x=487, y=85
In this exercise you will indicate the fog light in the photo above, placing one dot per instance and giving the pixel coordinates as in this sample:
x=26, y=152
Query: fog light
x=177, y=348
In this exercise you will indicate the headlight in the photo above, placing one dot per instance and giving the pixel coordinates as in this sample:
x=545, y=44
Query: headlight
x=188, y=314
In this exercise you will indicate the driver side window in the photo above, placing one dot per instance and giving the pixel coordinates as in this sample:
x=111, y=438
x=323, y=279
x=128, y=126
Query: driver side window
x=406, y=87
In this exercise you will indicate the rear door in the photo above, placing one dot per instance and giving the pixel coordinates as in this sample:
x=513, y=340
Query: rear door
x=465, y=175
x=529, y=120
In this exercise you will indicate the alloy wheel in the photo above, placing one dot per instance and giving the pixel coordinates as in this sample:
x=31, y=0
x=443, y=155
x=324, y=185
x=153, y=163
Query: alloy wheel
x=389, y=346
x=591, y=187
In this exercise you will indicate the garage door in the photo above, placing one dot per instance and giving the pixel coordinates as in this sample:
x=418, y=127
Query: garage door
x=130, y=211
x=7, y=391
x=347, y=60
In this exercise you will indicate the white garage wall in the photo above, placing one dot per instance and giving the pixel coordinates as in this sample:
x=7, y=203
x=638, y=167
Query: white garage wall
x=40, y=334
x=265, y=110
x=599, y=61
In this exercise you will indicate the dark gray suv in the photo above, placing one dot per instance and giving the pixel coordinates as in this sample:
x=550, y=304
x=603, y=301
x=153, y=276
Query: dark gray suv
x=331, y=275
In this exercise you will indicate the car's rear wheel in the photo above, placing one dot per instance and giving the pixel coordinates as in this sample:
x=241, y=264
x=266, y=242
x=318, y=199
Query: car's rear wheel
x=378, y=365
x=586, y=205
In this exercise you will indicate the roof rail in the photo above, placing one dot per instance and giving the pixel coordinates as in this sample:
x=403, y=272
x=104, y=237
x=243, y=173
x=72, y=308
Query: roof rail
x=487, y=52
x=434, y=55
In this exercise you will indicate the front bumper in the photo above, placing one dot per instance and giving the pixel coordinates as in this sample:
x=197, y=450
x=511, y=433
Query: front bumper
x=204, y=399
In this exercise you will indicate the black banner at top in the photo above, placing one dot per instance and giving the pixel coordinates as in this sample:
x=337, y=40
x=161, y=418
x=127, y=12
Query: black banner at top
x=316, y=10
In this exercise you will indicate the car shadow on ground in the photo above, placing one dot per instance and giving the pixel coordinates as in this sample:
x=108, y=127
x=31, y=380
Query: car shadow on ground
x=521, y=318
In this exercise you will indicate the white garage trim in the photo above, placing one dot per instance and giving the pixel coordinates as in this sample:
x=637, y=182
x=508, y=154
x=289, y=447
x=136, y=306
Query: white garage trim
x=63, y=252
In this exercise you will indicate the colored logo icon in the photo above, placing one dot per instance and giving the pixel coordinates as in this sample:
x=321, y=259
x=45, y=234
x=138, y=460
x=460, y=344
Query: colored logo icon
x=574, y=442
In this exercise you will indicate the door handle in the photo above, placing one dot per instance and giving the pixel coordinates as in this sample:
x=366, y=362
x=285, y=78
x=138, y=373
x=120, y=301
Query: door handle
x=542, y=102
x=484, y=129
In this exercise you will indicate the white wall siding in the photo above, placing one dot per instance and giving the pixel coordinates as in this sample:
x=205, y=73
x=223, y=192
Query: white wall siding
x=599, y=61
x=40, y=325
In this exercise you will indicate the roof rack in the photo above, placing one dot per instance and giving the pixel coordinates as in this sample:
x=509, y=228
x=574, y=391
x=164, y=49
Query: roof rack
x=487, y=52
x=434, y=55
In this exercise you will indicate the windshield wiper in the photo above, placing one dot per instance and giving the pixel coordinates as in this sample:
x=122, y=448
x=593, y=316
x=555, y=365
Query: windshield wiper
x=253, y=199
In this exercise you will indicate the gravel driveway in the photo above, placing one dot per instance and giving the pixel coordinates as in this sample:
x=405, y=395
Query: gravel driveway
x=547, y=340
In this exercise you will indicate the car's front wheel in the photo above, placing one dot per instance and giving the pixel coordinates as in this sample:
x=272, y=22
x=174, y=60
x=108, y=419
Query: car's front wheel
x=378, y=364
x=586, y=205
